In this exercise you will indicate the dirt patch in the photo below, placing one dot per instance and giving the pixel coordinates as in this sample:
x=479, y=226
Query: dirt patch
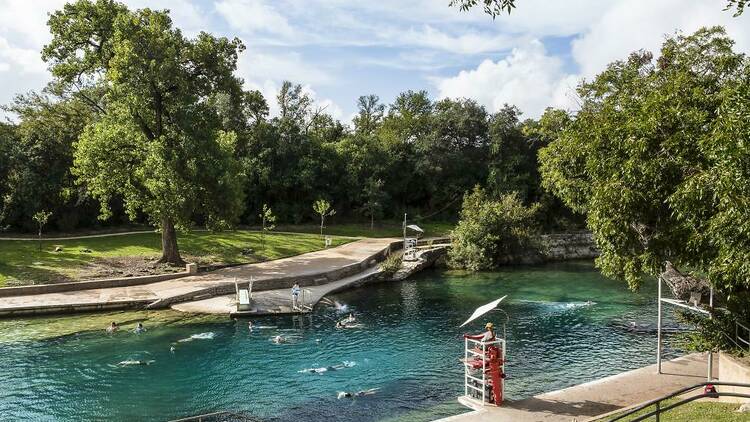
x=125, y=266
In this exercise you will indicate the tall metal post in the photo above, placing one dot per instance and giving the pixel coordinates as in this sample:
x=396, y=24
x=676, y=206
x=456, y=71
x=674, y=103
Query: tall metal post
x=658, y=332
x=404, y=232
x=710, y=353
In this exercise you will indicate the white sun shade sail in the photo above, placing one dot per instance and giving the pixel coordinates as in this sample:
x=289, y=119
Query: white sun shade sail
x=483, y=310
x=415, y=227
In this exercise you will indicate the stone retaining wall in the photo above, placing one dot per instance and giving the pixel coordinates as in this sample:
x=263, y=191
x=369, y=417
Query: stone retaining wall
x=91, y=284
x=556, y=247
x=732, y=369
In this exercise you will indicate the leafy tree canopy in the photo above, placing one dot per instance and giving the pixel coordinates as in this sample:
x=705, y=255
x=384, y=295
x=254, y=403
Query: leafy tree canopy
x=658, y=159
x=158, y=143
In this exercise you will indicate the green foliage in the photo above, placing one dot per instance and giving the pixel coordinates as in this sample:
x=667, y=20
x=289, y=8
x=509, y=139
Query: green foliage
x=323, y=208
x=391, y=264
x=157, y=144
x=659, y=159
x=491, y=7
x=637, y=148
x=268, y=222
x=491, y=230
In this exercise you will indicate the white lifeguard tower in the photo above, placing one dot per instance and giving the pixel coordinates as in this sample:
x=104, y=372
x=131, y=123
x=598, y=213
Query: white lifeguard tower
x=484, y=364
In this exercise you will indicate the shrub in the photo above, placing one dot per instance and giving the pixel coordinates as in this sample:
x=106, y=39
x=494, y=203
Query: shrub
x=391, y=264
x=490, y=230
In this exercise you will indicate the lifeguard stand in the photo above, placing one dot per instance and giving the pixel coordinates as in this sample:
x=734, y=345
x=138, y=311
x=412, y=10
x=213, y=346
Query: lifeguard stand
x=484, y=362
x=484, y=371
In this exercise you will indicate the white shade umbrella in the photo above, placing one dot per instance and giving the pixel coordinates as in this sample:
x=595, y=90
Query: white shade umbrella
x=483, y=310
x=415, y=227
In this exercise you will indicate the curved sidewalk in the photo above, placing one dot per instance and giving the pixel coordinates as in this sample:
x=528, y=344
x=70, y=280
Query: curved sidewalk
x=313, y=267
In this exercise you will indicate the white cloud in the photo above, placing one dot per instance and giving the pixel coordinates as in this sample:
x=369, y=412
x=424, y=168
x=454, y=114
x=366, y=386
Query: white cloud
x=527, y=78
x=248, y=16
x=256, y=65
x=469, y=42
x=633, y=25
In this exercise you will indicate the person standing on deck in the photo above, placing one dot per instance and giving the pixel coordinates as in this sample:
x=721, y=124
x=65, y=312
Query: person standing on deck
x=488, y=335
x=295, y=295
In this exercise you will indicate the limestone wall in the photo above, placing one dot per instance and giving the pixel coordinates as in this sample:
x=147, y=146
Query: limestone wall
x=732, y=369
x=557, y=247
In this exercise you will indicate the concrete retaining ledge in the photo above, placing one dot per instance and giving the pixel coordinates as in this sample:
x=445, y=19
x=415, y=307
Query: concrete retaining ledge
x=87, y=285
x=74, y=308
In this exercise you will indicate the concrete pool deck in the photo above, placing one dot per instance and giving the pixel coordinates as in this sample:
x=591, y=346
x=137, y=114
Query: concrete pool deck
x=317, y=267
x=592, y=400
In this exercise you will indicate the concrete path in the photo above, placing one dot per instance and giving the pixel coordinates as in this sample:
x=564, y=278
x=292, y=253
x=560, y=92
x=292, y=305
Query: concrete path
x=587, y=401
x=279, y=301
x=221, y=280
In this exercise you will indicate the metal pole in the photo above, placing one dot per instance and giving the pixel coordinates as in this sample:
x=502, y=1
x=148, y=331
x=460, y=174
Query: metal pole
x=710, y=316
x=658, y=333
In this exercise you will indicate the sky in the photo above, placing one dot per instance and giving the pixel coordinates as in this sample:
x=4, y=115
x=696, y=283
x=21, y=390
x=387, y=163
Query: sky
x=341, y=49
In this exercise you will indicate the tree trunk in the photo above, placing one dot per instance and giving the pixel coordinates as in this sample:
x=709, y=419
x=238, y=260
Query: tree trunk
x=169, y=250
x=372, y=220
x=322, y=220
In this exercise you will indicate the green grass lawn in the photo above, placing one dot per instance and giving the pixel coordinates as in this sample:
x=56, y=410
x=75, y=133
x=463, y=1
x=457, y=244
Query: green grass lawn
x=22, y=263
x=703, y=411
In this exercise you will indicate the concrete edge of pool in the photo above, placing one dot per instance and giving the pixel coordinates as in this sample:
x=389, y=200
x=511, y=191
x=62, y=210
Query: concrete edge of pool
x=595, y=399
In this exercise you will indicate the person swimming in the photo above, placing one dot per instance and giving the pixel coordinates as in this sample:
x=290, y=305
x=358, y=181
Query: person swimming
x=172, y=348
x=342, y=365
x=113, y=327
x=136, y=362
x=279, y=339
x=139, y=328
x=347, y=395
x=250, y=325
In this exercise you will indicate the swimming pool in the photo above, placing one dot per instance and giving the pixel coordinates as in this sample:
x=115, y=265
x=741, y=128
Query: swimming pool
x=66, y=369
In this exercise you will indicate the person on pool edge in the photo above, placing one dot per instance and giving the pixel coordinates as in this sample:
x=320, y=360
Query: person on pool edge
x=488, y=335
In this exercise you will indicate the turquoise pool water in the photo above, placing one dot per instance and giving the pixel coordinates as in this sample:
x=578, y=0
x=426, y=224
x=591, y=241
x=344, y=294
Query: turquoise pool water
x=408, y=347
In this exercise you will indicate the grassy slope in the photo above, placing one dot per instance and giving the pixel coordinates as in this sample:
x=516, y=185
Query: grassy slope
x=705, y=411
x=22, y=263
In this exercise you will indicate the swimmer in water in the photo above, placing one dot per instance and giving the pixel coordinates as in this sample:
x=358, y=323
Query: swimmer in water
x=347, y=395
x=250, y=325
x=139, y=328
x=112, y=327
x=135, y=362
x=279, y=339
x=172, y=348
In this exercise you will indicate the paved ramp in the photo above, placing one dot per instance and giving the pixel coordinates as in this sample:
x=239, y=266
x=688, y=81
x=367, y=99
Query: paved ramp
x=209, y=284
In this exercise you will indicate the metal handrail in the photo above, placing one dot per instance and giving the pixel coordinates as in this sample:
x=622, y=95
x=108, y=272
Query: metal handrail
x=738, y=338
x=657, y=402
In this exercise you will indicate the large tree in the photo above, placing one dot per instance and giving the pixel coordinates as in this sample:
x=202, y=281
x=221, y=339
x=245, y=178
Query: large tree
x=158, y=143
x=658, y=159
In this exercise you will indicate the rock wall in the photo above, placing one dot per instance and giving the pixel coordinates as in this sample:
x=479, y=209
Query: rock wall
x=557, y=247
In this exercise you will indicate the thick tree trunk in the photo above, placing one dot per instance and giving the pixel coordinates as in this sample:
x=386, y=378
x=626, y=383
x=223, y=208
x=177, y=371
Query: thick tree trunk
x=169, y=250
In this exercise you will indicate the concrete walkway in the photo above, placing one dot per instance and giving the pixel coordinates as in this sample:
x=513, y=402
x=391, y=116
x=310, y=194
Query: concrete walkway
x=187, y=288
x=278, y=301
x=587, y=401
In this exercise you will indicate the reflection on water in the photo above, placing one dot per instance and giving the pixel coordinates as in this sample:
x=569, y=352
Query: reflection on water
x=567, y=325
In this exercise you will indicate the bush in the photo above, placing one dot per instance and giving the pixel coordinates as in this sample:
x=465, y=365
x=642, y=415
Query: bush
x=490, y=230
x=391, y=264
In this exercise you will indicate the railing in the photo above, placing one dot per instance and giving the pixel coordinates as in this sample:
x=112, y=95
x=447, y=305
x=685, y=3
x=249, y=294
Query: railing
x=659, y=409
x=741, y=335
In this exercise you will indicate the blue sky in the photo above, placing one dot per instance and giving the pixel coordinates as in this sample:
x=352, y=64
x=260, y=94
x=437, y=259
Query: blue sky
x=340, y=49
